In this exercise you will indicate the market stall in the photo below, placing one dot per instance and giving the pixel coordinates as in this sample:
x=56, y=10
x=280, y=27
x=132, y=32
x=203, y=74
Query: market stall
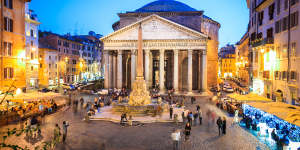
x=235, y=101
x=279, y=122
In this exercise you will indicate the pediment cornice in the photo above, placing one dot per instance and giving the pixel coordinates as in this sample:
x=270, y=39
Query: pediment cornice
x=156, y=17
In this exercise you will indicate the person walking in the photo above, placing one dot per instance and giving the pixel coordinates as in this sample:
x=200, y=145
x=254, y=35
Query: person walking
x=183, y=116
x=200, y=116
x=224, y=125
x=208, y=117
x=219, y=124
x=187, y=129
x=235, y=118
x=213, y=117
x=176, y=138
x=193, y=100
x=195, y=118
x=190, y=118
x=198, y=107
x=81, y=101
x=65, y=130
x=171, y=112
x=56, y=133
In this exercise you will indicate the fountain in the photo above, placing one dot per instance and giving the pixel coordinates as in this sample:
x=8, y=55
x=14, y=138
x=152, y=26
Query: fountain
x=139, y=101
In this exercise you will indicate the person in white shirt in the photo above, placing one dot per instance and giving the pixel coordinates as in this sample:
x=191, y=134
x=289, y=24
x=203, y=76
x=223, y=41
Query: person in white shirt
x=176, y=138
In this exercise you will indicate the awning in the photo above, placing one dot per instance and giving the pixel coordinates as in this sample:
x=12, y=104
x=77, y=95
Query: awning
x=251, y=97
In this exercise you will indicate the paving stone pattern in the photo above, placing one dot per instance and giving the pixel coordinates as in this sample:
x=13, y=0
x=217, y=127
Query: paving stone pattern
x=103, y=135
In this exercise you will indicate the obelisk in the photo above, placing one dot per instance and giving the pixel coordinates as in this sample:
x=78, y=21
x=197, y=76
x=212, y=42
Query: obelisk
x=139, y=95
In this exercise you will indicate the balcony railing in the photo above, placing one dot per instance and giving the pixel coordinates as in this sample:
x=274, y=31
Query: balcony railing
x=261, y=42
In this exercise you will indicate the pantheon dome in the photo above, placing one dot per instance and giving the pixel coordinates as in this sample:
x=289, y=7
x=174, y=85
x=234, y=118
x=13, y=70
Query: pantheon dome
x=165, y=6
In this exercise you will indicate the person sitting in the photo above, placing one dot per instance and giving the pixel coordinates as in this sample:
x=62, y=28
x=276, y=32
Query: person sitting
x=123, y=118
x=274, y=136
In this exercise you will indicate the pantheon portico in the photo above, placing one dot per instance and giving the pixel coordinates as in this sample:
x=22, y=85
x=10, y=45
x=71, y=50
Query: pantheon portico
x=175, y=55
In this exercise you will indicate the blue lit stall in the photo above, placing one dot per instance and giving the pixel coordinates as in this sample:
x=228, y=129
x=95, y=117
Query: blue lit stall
x=276, y=123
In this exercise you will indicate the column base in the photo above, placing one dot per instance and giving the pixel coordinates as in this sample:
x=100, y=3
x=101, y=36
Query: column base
x=163, y=91
x=176, y=91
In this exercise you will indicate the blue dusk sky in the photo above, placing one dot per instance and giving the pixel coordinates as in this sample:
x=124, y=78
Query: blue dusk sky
x=81, y=16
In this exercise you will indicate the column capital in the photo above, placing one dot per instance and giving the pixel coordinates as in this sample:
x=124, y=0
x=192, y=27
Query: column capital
x=147, y=51
x=161, y=51
x=190, y=51
x=105, y=51
x=204, y=52
x=133, y=52
x=176, y=51
x=120, y=52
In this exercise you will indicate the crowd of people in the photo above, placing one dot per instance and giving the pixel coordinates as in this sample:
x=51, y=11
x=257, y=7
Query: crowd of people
x=22, y=111
x=195, y=118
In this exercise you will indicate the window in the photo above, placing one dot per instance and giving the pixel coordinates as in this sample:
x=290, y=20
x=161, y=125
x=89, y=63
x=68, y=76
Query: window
x=284, y=75
x=59, y=42
x=278, y=26
x=31, y=56
x=271, y=11
x=266, y=74
x=294, y=19
x=31, y=32
x=7, y=49
x=276, y=74
x=284, y=52
x=260, y=17
x=270, y=33
x=284, y=23
x=8, y=24
x=49, y=66
x=293, y=49
x=59, y=49
x=278, y=52
x=293, y=2
x=74, y=62
x=41, y=65
x=278, y=6
x=31, y=43
x=8, y=4
x=31, y=68
x=286, y=4
x=8, y=73
x=293, y=75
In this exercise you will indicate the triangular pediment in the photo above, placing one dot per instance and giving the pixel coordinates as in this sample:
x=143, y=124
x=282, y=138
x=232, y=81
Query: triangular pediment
x=155, y=27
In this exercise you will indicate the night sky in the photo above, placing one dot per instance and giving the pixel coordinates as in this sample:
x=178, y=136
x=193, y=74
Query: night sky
x=81, y=16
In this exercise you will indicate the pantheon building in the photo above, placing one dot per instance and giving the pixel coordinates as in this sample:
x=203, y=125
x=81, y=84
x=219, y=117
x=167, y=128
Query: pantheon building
x=180, y=47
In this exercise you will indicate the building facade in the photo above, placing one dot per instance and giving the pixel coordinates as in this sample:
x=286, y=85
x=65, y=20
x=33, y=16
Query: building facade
x=48, y=65
x=227, y=61
x=274, y=46
x=77, y=58
x=31, y=47
x=242, y=61
x=90, y=56
x=180, y=46
x=68, y=63
x=12, y=39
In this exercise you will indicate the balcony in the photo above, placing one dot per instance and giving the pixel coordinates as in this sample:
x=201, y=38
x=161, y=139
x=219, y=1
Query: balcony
x=262, y=4
x=261, y=42
x=266, y=74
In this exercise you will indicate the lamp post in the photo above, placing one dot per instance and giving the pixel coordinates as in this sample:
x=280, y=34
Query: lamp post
x=66, y=62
